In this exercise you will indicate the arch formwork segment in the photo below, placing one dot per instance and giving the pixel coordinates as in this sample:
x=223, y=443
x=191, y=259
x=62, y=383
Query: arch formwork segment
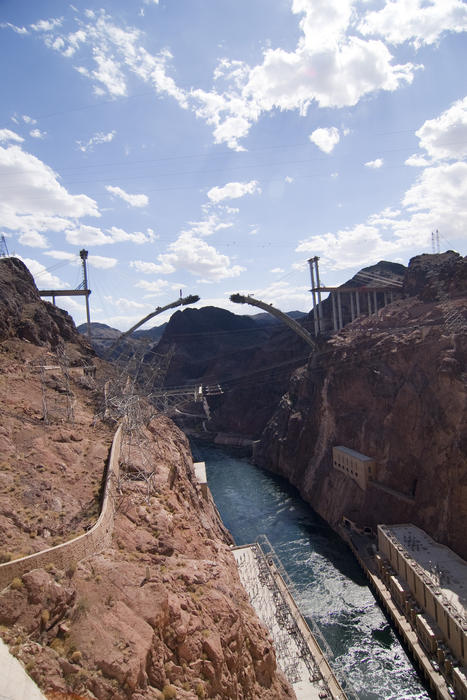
x=270, y=309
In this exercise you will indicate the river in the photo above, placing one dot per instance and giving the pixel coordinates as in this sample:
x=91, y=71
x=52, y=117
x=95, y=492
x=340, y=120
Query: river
x=330, y=586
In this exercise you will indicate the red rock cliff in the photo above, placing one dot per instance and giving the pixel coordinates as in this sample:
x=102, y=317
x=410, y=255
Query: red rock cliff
x=161, y=612
x=392, y=386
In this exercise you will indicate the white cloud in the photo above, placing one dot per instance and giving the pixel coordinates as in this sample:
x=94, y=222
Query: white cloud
x=29, y=120
x=109, y=73
x=233, y=190
x=446, y=136
x=101, y=262
x=134, y=200
x=113, y=52
x=349, y=247
x=42, y=277
x=375, y=164
x=282, y=295
x=325, y=138
x=211, y=223
x=63, y=255
x=18, y=30
x=95, y=140
x=435, y=201
x=331, y=66
x=153, y=288
x=46, y=25
x=37, y=134
x=33, y=239
x=417, y=21
x=7, y=135
x=33, y=199
x=417, y=161
x=147, y=268
x=289, y=179
x=87, y=235
x=193, y=255
x=276, y=270
x=124, y=303
x=118, y=235
x=97, y=261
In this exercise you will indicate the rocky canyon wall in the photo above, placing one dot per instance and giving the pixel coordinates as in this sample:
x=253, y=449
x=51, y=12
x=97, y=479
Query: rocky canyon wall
x=392, y=386
x=159, y=611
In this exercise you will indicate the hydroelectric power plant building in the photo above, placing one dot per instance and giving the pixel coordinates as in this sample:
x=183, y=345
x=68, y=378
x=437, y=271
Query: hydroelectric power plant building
x=357, y=466
x=428, y=582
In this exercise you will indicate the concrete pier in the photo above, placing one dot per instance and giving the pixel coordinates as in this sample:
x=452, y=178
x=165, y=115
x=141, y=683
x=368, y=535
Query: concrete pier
x=297, y=651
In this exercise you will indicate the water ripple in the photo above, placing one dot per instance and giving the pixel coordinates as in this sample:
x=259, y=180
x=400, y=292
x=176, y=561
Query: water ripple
x=330, y=587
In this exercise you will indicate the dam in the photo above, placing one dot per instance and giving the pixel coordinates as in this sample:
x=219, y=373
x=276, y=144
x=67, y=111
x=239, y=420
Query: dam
x=329, y=588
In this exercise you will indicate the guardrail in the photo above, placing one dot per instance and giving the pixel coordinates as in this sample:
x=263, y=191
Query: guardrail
x=83, y=546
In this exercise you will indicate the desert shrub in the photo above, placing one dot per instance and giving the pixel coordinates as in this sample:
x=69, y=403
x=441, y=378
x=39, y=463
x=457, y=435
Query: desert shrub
x=200, y=691
x=169, y=692
x=16, y=584
x=57, y=645
x=76, y=657
x=45, y=617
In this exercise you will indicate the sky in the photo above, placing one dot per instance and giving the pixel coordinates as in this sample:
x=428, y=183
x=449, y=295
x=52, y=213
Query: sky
x=212, y=146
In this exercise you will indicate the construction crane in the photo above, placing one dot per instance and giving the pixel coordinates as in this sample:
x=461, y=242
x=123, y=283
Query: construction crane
x=183, y=301
x=296, y=327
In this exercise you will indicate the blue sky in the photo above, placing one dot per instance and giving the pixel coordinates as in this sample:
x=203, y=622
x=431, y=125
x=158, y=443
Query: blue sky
x=214, y=146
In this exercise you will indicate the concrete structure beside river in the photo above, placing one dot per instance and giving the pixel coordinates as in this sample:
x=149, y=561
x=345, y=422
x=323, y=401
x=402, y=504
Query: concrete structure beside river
x=298, y=652
x=357, y=466
x=429, y=584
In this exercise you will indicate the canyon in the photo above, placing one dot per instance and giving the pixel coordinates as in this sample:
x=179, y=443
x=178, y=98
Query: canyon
x=390, y=385
x=159, y=612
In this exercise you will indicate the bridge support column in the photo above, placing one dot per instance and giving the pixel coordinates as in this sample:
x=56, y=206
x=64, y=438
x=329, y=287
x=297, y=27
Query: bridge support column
x=315, y=308
x=375, y=299
x=352, y=307
x=318, y=284
x=357, y=299
x=369, y=303
x=339, y=309
x=334, y=315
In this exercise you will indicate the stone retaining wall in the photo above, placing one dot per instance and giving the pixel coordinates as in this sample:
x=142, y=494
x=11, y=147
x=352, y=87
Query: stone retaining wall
x=86, y=545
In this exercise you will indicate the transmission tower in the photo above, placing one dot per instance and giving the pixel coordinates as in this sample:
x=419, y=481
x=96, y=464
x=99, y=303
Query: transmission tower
x=4, y=253
x=435, y=242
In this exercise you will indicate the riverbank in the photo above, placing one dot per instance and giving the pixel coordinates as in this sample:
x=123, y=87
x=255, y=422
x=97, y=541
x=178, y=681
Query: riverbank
x=330, y=589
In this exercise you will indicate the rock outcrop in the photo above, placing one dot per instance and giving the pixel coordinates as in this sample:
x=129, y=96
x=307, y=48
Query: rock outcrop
x=24, y=315
x=392, y=386
x=159, y=614
x=163, y=608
